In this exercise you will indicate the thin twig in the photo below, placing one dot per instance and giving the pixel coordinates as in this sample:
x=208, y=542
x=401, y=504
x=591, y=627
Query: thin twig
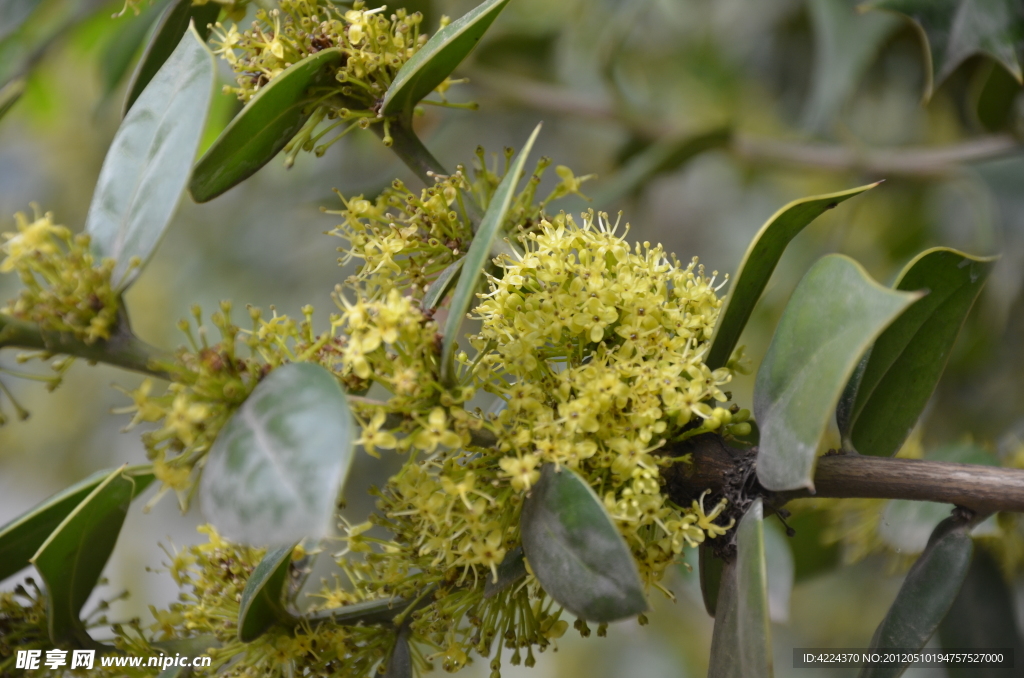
x=921, y=161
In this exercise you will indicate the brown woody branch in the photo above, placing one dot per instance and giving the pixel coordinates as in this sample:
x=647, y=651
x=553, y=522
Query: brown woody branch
x=983, y=489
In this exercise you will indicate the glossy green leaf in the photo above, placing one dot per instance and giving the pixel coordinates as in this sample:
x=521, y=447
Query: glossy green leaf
x=996, y=95
x=845, y=43
x=834, y=314
x=925, y=597
x=511, y=569
x=953, y=30
x=711, y=568
x=171, y=25
x=21, y=538
x=149, y=161
x=72, y=558
x=477, y=256
x=436, y=60
x=741, y=643
x=120, y=49
x=400, y=660
x=262, y=603
x=982, y=617
x=442, y=283
x=575, y=550
x=781, y=571
x=265, y=126
x=759, y=262
x=906, y=361
x=659, y=158
x=9, y=95
x=906, y=525
x=275, y=470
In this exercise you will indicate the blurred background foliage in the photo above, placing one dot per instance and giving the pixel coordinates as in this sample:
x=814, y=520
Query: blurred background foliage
x=783, y=98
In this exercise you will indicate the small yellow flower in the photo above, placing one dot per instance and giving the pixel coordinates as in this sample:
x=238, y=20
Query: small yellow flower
x=521, y=470
x=704, y=520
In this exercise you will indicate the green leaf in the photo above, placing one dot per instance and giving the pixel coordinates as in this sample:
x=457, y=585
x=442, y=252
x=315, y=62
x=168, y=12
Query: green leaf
x=741, y=643
x=981, y=617
x=265, y=126
x=21, y=538
x=367, y=612
x=400, y=660
x=953, y=30
x=845, y=43
x=149, y=160
x=662, y=157
x=996, y=92
x=478, y=255
x=575, y=550
x=275, y=470
x=832, y=317
x=925, y=597
x=906, y=525
x=172, y=24
x=781, y=571
x=759, y=262
x=511, y=570
x=262, y=602
x=711, y=568
x=907, y=359
x=442, y=283
x=9, y=95
x=72, y=558
x=120, y=49
x=436, y=60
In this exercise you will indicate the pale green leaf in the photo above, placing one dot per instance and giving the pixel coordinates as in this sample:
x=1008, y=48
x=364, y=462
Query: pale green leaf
x=759, y=262
x=575, y=550
x=476, y=257
x=275, y=470
x=834, y=314
x=436, y=60
x=925, y=597
x=149, y=161
x=741, y=643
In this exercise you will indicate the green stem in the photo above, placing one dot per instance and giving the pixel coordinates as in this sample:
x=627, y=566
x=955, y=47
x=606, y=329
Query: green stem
x=408, y=147
x=123, y=349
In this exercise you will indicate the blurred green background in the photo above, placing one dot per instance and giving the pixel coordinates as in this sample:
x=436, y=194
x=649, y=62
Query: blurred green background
x=818, y=98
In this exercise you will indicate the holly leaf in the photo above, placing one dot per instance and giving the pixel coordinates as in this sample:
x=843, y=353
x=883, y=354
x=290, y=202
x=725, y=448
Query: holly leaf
x=262, y=602
x=711, y=568
x=400, y=660
x=835, y=313
x=741, y=643
x=953, y=30
x=575, y=550
x=72, y=558
x=477, y=255
x=886, y=395
x=981, y=617
x=265, y=126
x=275, y=470
x=171, y=25
x=436, y=60
x=760, y=260
x=150, y=159
x=21, y=538
x=845, y=43
x=927, y=594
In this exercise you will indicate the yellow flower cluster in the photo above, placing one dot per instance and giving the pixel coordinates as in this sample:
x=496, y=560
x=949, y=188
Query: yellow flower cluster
x=22, y=624
x=374, y=45
x=596, y=349
x=405, y=240
x=64, y=288
x=214, y=576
